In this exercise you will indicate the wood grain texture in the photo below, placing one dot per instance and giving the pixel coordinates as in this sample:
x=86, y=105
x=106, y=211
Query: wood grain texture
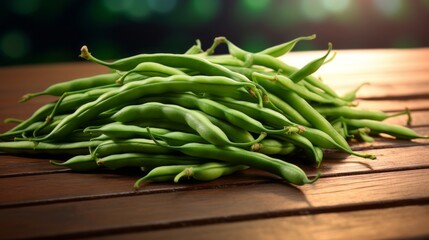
x=354, y=199
x=390, y=223
x=174, y=209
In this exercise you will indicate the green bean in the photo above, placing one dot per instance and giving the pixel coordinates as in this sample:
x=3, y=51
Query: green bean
x=355, y=113
x=75, y=85
x=161, y=174
x=195, y=49
x=117, y=130
x=30, y=147
x=265, y=115
x=217, y=110
x=381, y=127
x=134, y=90
x=273, y=147
x=313, y=116
x=284, y=83
x=322, y=139
x=362, y=134
x=306, y=145
x=279, y=104
x=172, y=60
x=145, y=160
x=69, y=103
x=351, y=96
x=134, y=145
x=151, y=69
x=311, y=68
x=195, y=120
x=209, y=171
x=288, y=111
x=79, y=163
x=289, y=172
x=236, y=134
x=278, y=65
x=284, y=48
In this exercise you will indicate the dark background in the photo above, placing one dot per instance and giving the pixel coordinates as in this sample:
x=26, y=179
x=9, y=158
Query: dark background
x=41, y=31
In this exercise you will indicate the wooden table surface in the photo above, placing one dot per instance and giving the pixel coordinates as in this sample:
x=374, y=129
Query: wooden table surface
x=354, y=198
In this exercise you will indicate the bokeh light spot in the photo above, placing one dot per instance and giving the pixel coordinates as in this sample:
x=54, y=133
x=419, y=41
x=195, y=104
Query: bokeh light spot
x=138, y=10
x=24, y=7
x=256, y=6
x=389, y=8
x=117, y=6
x=162, y=6
x=14, y=44
x=336, y=6
x=205, y=10
x=313, y=10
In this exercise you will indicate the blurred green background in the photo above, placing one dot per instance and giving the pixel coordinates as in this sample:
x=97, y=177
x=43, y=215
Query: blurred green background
x=41, y=31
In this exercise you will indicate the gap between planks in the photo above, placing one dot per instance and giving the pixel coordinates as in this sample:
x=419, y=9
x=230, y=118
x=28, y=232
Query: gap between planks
x=351, y=193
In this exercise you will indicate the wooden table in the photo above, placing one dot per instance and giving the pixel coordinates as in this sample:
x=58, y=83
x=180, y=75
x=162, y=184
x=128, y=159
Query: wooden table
x=355, y=198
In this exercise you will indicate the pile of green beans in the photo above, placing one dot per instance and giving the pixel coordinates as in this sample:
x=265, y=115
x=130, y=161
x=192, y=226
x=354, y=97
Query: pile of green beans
x=199, y=115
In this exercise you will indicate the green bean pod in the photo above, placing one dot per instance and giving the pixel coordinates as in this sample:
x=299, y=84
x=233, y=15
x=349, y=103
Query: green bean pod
x=273, y=147
x=79, y=163
x=173, y=60
x=381, y=127
x=134, y=90
x=134, y=145
x=151, y=69
x=75, y=85
x=194, y=119
x=289, y=172
x=161, y=174
x=355, y=113
x=217, y=110
x=30, y=147
x=209, y=171
x=116, y=161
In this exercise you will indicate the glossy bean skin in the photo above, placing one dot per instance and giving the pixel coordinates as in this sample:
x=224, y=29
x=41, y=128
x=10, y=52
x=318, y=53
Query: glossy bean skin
x=29, y=147
x=313, y=116
x=273, y=147
x=284, y=48
x=323, y=140
x=68, y=104
x=161, y=174
x=134, y=90
x=79, y=163
x=289, y=172
x=215, y=109
x=151, y=69
x=381, y=127
x=311, y=153
x=172, y=60
x=134, y=145
x=354, y=113
x=209, y=171
x=117, y=130
x=59, y=89
x=116, y=161
x=276, y=64
x=206, y=129
x=236, y=134
x=265, y=115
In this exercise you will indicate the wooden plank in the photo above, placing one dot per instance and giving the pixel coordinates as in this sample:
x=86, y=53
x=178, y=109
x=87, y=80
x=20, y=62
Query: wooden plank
x=388, y=223
x=17, y=165
x=166, y=210
x=66, y=186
